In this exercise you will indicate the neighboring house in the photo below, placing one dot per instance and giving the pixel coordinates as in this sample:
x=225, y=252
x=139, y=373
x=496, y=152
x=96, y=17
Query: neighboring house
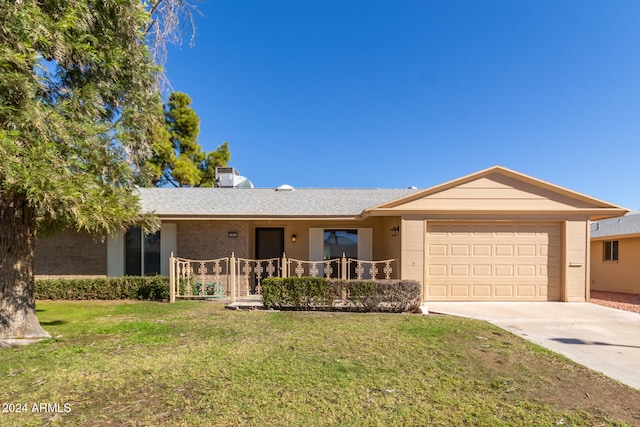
x=615, y=254
x=495, y=235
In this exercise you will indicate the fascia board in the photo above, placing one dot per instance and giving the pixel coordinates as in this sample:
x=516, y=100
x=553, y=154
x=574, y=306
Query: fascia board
x=593, y=214
x=615, y=237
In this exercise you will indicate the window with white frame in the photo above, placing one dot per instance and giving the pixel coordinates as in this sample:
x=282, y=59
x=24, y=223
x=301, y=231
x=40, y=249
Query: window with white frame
x=610, y=250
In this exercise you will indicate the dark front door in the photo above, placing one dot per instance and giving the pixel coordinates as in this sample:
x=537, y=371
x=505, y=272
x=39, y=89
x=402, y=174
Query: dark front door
x=269, y=244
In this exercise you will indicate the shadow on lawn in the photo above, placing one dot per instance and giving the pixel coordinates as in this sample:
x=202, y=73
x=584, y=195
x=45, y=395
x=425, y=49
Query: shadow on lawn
x=53, y=323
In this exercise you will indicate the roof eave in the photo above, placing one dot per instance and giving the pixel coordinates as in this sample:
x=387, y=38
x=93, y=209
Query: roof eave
x=197, y=217
x=616, y=236
x=592, y=214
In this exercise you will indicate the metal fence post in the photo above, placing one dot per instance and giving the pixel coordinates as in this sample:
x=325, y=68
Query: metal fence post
x=232, y=278
x=172, y=278
x=283, y=271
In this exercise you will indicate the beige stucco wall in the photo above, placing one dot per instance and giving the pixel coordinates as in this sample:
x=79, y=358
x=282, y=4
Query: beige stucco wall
x=70, y=254
x=616, y=276
x=413, y=233
x=576, y=260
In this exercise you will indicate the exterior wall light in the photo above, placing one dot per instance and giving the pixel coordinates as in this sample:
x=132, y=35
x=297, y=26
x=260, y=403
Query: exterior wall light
x=394, y=231
x=293, y=238
x=233, y=234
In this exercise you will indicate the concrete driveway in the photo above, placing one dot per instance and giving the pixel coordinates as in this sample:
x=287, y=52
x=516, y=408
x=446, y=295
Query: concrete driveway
x=601, y=338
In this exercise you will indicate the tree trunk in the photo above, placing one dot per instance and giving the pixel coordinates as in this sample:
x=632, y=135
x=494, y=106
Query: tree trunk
x=17, y=247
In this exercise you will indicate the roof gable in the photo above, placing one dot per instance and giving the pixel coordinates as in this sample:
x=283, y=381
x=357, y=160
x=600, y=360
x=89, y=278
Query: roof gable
x=498, y=189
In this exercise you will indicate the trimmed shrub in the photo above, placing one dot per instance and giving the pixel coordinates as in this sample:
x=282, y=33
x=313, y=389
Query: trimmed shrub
x=155, y=288
x=394, y=296
x=298, y=293
x=312, y=293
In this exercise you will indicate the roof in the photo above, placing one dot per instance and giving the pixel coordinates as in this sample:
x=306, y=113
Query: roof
x=263, y=202
x=509, y=192
x=627, y=225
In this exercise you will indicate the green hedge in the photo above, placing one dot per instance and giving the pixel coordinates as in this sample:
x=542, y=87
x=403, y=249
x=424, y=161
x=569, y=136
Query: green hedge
x=312, y=293
x=155, y=288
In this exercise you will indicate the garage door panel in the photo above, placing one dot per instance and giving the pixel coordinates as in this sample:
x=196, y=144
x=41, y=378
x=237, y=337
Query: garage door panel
x=504, y=250
x=482, y=250
x=527, y=250
x=503, y=270
x=527, y=291
x=486, y=261
x=503, y=290
x=459, y=250
x=436, y=250
x=460, y=290
x=483, y=270
x=459, y=270
x=526, y=270
x=481, y=291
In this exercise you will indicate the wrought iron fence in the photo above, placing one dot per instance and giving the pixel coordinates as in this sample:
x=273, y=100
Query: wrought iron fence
x=250, y=273
x=327, y=268
x=359, y=269
x=200, y=278
x=233, y=278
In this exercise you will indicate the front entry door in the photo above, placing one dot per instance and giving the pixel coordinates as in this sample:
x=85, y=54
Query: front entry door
x=269, y=244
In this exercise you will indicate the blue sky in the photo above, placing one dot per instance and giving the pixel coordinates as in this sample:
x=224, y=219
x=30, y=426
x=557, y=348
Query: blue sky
x=369, y=93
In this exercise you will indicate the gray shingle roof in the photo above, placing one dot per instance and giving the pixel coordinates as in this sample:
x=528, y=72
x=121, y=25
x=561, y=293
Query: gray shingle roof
x=264, y=202
x=628, y=224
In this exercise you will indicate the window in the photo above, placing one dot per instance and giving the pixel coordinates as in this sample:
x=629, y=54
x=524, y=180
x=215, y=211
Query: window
x=142, y=253
x=610, y=250
x=338, y=242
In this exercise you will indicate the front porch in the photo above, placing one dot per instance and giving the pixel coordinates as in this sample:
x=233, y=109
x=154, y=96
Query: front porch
x=233, y=279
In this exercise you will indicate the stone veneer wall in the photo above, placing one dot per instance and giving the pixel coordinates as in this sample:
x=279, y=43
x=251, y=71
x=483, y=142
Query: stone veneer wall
x=70, y=254
x=210, y=239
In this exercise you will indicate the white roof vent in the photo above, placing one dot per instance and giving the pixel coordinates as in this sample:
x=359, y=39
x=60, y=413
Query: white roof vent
x=285, y=187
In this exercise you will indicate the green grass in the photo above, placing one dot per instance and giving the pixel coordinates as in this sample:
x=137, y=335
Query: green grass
x=195, y=363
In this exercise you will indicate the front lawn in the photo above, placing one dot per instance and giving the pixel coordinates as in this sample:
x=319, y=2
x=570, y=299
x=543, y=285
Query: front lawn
x=197, y=364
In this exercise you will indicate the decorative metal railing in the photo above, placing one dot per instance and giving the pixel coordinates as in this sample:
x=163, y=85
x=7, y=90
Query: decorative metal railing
x=250, y=273
x=369, y=269
x=233, y=278
x=200, y=278
x=300, y=268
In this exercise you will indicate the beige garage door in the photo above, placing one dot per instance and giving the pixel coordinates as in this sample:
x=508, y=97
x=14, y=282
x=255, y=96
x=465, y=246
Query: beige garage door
x=490, y=261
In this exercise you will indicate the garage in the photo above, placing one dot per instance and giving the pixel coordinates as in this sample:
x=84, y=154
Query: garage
x=502, y=261
x=496, y=235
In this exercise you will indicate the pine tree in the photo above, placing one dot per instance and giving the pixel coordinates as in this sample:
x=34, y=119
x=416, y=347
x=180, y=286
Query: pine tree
x=178, y=158
x=78, y=102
